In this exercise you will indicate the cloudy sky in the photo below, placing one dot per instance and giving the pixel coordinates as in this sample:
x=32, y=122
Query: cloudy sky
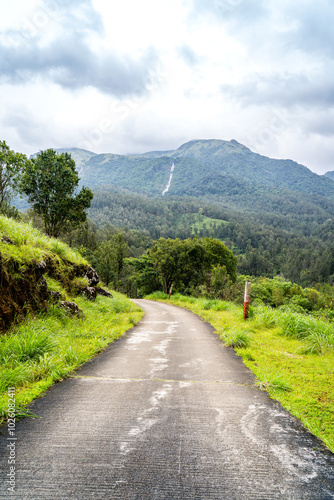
x=129, y=76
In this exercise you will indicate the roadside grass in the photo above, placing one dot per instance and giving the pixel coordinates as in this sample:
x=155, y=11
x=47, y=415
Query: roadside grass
x=291, y=355
x=46, y=348
x=30, y=244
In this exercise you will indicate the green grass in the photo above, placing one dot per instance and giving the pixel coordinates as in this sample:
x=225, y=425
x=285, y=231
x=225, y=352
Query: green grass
x=291, y=354
x=30, y=244
x=47, y=348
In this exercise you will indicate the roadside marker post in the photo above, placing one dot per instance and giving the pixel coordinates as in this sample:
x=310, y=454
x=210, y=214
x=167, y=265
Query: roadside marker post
x=170, y=291
x=247, y=299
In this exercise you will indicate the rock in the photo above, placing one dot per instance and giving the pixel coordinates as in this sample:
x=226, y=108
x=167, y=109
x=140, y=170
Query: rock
x=40, y=269
x=104, y=293
x=70, y=307
x=7, y=240
x=43, y=286
x=89, y=292
x=55, y=296
x=92, y=276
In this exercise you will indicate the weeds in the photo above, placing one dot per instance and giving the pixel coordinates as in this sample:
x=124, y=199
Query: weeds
x=273, y=382
x=49, y=347
x=291, y=354
x=236, y=339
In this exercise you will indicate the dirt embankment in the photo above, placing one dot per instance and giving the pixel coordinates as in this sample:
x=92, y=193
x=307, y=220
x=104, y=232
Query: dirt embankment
x=24, y=287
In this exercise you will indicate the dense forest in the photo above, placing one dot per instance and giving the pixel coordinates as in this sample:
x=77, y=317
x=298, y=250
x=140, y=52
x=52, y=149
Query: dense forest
x=274, y=215
x=296, y=246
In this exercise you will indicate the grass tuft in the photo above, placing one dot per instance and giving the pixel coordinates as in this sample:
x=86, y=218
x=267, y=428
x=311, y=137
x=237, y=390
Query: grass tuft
x=48, y=347
x=291, y=355
x=236, y=338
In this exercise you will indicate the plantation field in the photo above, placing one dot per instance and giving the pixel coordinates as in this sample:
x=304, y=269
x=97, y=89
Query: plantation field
x=291, y=354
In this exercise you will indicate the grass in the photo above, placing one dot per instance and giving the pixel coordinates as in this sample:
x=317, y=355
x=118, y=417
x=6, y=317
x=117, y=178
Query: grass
x=291, y=354
x=30, y=244
x=48, y=347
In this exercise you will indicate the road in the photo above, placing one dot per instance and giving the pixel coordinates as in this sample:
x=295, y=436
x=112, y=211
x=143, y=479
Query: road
x=166, y=412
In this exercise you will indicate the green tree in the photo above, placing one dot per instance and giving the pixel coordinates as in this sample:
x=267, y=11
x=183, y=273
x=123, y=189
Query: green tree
x=165, y=255
x=104, y=261
x=50, y=181
x=11, y=165
x=142, y=276
x=187, y=262
x=109, y=259
x=121, y=250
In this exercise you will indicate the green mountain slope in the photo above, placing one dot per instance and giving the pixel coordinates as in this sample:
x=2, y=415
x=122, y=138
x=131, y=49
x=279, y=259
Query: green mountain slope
x=225, y=172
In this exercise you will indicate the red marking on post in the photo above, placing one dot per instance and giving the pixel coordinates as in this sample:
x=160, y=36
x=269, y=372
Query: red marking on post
x=247, y=299
x=170, y=292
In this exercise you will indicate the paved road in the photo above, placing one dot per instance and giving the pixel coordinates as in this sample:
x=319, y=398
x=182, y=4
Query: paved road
x=164, y=413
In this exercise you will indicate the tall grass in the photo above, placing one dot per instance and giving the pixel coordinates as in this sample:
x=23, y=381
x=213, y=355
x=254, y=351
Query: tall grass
x=317, y=334
x=50, y=346
x=291, y=354
x=33, y=242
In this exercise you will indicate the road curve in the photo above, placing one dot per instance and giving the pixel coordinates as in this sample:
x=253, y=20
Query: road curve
x=166, y=412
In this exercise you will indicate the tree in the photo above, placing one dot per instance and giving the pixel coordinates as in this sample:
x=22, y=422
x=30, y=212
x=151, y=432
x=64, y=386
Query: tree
x=165, y=255
x=104, y=261
x=121, y=252
x=11, y=165
x=109, y=259
x=186, y=263
x=50, y=182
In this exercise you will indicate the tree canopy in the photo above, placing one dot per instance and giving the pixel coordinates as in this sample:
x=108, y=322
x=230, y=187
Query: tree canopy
x=184, y=263
x=50, y=181
x=11, y=165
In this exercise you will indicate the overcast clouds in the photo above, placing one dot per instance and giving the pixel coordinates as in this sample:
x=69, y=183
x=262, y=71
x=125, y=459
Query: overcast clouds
x=129, y=76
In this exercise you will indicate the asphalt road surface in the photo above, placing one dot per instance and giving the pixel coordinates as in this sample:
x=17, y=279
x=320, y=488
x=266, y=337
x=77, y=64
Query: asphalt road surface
x=166, y=412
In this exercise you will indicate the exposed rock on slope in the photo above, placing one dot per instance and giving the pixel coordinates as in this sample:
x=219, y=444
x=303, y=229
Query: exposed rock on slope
x=28, y=261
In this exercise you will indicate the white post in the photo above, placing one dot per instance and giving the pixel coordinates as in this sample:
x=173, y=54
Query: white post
x=247, y=299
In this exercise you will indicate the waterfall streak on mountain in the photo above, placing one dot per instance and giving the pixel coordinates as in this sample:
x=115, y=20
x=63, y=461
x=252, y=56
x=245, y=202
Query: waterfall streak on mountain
x=170, y=180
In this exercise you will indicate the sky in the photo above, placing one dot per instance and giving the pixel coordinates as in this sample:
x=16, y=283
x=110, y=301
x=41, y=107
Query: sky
x=129, y=76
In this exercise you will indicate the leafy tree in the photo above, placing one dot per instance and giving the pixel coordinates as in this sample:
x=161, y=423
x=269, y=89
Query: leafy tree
x=121, y=250
x=142, y=276
x=50, y=182
x=104, y=261
x=187, y=262
x=109, y=259
x=166, y=255
x=11, y=165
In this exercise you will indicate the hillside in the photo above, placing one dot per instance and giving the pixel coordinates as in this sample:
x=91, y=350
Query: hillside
x=54, y=315
x=330, y=174
x=276, y=215
x=33, y=270
x=225, y=172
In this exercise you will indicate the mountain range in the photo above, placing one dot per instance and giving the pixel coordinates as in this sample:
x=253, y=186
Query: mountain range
x=276, y=215
x=224, y=172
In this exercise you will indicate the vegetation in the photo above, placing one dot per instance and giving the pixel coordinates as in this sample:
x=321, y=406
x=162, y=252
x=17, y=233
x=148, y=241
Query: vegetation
x=298, y=245
x=230, y=215
x=51, y=342
x=48, y=347
x=28, y=244
x=49, y=181
x=291, y=354
x=186, y=263
x=11, y=166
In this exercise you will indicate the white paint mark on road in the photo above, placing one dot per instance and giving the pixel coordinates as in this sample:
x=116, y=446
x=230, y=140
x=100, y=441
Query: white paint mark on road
x=146, y=420
x=297, y=461
x=184, y=385
x=158, y=365
x=162, y=347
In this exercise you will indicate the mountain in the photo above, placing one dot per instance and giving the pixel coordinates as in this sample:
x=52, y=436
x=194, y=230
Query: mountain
x=330, y=174
x=224, y=172
x=276, y=215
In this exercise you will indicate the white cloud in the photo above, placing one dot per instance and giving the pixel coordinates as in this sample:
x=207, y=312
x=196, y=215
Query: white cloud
x=132, y=76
